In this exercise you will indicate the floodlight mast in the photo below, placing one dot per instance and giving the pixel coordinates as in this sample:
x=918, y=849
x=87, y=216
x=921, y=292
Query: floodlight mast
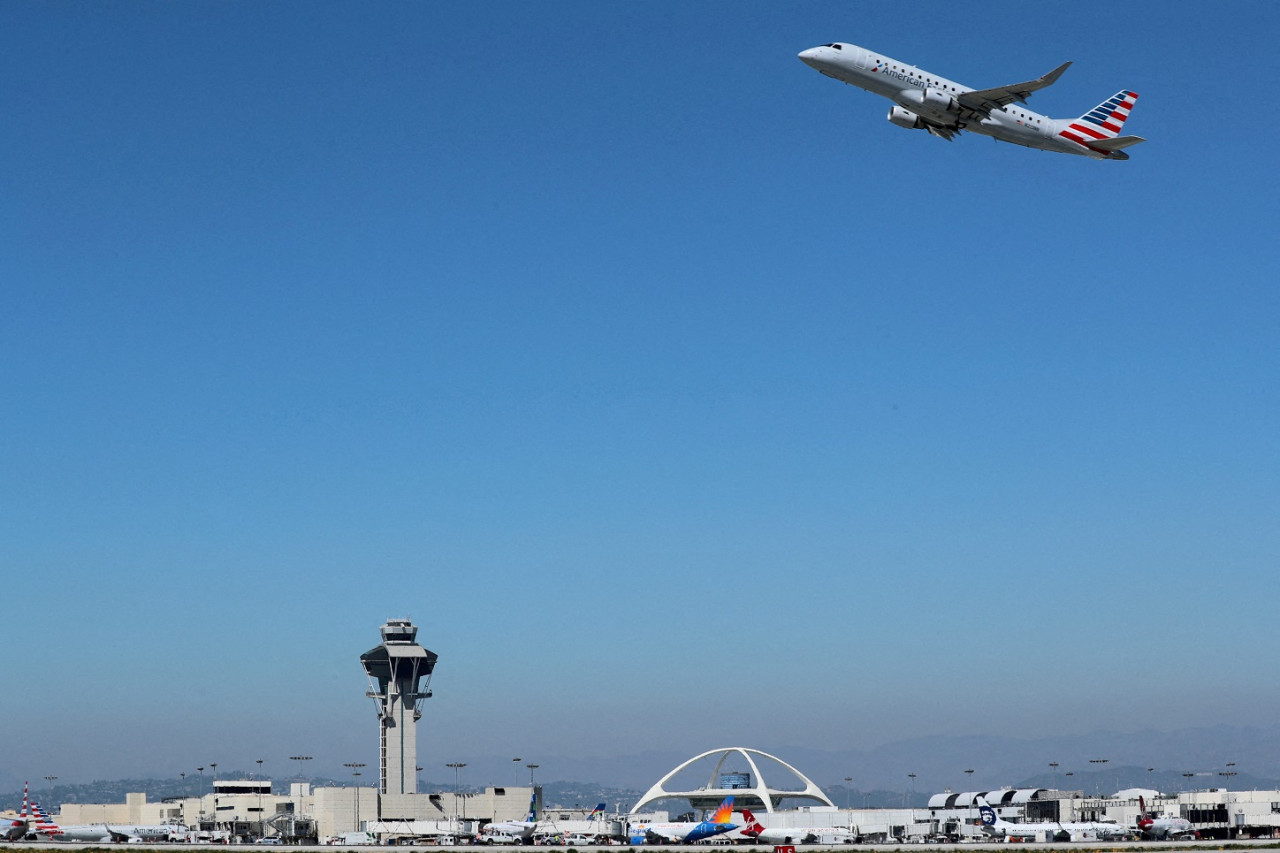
x=399, y=672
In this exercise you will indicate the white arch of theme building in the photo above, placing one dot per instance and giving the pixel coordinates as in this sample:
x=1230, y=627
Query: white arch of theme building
x=768, y=797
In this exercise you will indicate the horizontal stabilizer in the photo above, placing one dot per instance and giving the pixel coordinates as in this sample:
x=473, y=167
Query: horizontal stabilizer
x=1115, y=143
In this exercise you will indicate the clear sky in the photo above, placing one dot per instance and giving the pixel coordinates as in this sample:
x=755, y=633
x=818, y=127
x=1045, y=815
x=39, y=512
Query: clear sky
x=679, y=398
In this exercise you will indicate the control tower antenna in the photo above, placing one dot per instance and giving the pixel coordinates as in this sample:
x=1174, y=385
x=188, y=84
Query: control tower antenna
x=399, y=673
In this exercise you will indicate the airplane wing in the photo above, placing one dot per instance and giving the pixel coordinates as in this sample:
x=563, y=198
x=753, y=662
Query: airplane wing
x=985, y=100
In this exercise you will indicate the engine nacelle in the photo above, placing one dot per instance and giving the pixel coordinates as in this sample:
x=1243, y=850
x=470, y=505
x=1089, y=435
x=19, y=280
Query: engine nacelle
x=933, y=101
x=906, y=118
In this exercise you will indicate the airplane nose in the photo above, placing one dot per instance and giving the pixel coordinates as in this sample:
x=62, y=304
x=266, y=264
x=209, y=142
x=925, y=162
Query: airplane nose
x=808, y=57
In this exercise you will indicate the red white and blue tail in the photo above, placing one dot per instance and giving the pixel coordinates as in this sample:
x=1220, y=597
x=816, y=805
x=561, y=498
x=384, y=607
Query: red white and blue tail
x=1099, y=129
x=43, y=824
x=1106, y=119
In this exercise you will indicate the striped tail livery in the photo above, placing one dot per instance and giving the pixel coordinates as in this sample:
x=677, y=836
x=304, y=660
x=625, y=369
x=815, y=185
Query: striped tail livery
x=1099, y=129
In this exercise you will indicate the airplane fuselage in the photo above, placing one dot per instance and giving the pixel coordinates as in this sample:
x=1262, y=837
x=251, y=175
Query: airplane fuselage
x=931, y=102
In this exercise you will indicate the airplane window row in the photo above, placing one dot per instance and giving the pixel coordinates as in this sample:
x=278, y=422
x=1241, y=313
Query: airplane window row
x=836, y=46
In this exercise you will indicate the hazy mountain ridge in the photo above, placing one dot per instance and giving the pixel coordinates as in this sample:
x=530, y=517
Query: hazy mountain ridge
x=879, y=775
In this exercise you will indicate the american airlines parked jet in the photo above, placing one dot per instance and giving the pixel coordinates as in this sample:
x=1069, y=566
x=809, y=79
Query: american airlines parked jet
x=102, y=833
x=943, y=107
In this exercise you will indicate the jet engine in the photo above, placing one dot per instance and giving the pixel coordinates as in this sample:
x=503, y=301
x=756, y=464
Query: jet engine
x=906, y=118
x=934, y=101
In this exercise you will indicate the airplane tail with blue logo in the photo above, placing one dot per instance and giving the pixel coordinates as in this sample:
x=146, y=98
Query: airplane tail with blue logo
x=533, y=809
x=597, y=812
x=1099, y=128
x=991, y=823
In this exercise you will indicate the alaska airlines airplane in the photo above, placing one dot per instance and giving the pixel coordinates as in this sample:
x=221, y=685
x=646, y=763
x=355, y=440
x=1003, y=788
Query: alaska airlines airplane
x=943, y=107
x=993, y=825
x=690, y=832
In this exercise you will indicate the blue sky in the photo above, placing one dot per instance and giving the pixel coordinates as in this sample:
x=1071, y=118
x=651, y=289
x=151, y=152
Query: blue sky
x=680, y=398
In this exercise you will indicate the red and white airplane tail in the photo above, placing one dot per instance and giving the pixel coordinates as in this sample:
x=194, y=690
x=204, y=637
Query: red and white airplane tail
x=752, y=826
x=1100, y=128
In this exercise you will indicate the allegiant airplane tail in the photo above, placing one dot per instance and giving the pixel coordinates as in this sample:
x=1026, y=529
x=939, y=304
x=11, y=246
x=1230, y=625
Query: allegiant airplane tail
x=724, y=814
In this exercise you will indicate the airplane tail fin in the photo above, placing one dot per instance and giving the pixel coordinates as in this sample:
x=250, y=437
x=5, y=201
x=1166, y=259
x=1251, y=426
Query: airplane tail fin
x=596, y=812
x=724, y=814
x=753, y=827
x=1099, y=129
x=989, y=819
x=533, y=808
x=1144, y=819
x=1106, y=119
x=44, y=825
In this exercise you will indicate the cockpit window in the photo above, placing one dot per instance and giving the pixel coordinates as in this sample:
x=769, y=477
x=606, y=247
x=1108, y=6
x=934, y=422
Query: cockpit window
x=836, y=46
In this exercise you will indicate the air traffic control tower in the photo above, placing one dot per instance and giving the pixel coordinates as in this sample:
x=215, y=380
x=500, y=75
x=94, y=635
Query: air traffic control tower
x=399, y=673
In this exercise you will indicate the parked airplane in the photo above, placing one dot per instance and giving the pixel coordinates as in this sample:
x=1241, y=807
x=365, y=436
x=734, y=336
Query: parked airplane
x=102, y=833
x=689, y=832
x=1163, y=826
x=943, y=107
x=511, y=831
x=993, y=825
x=12, y=828
x=797, y=834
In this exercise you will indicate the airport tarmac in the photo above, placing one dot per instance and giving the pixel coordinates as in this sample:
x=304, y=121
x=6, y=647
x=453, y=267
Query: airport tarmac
x=1090, y=846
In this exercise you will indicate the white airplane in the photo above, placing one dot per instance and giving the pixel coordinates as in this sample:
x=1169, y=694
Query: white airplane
x=102, y=833
x=797, y=834
x=511, y=831
x=943, y=107
x=12, y=828
x=993, y=825
x=1163, y=826
x=688, y=832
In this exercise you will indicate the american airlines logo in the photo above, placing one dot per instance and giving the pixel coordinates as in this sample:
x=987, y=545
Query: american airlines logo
x=889, y=72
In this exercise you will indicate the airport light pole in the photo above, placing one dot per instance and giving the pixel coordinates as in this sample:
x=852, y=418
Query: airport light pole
x=261, y=824
x=848, y=793
x=969, y=774
x=355, y=774
x=1101, y=762
x=213, y=783
x=533, y=791
x=1053, y=766
x=301, y=759
x=457, y=769
x=911, y=790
